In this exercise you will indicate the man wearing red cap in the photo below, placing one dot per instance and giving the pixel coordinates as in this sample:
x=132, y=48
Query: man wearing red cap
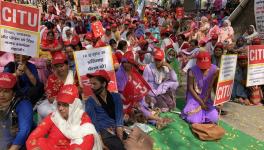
x=68, y=128
x=16, y=114
x=106, y=111
x=199, y=107
x=61, y=76
x=162, y=80
x=210, y=45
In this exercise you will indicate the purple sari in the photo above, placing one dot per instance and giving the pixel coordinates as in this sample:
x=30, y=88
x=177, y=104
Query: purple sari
x=192, y=111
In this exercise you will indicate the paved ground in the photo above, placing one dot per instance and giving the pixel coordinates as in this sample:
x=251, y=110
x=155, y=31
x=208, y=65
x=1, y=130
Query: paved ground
x=249, y=119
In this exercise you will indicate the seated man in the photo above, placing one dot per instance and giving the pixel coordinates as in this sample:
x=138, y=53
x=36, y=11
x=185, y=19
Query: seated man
x=28, y=80
x=61, y=76
x=68, y=128
x=106, y=111
x=163, y=81
x=16, y=114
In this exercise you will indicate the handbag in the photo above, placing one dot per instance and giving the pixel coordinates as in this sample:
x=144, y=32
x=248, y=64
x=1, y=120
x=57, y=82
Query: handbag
x=138, y=140
x=208, y=132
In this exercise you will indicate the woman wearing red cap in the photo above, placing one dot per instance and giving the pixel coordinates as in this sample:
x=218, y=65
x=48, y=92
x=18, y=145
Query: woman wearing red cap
x=68, y=128
x=245, y=95
x=106, y=111
x=199, y=106
x=162, y=80
x=62, y=75
x=16, y=114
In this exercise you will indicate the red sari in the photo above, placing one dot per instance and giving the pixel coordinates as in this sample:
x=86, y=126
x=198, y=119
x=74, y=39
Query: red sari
x=48, y=137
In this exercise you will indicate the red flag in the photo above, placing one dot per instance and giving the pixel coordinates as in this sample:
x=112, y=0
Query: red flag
x=136, y=88
x=97, y=29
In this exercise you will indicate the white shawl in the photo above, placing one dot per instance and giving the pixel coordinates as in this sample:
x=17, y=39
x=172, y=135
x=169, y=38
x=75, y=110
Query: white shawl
x=72, y=127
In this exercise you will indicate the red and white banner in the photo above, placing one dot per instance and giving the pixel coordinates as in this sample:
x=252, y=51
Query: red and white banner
x=19, y=29
x=85, y=6
x=259, y=17
x=97, y=29
x=255, y=74
x=88, y=61
x=135, y=89
x=225, y=79
x=179, y=12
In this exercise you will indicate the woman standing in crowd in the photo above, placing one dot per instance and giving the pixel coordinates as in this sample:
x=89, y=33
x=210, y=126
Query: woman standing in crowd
x=199, y=106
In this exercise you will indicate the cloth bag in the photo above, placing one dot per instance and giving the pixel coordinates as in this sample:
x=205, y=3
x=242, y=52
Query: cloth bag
x=138, y=140
x=208, y=132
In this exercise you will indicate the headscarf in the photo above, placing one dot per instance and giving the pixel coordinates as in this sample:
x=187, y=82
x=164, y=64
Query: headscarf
x=64, y=36
x=251, y=36
x=72, y=128
x=174, y=63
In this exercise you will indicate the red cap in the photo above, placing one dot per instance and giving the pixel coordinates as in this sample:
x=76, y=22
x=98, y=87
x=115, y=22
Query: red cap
x=89, y=36
x=67, y=94
x=169, y=47
x=58, y=58
x=108, y=28
x=243, y=56
x=219, y=45
x=99, y=73
x=100, y=43
x=126, y=23
x=256, y=41
x=7, y=80
x=129, y=57
x=159, y=55
x=202, y=43
x=214, y=37
x=75, y=40
x=114, y=25
x=131, y=26
x=185, y=46
x=215, y=21
x=203, y=60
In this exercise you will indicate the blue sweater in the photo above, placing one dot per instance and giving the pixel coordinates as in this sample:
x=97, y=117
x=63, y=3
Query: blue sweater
x=99, y=116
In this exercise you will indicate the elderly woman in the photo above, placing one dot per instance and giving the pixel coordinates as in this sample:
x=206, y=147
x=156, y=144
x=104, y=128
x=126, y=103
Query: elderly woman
x=250, y=34
x=163, y=81
x=68, y=128
x=204, y=29
x=16, y=114
x=226, y=33
x=201, y=77
x=68, y=36
x=106, y=111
